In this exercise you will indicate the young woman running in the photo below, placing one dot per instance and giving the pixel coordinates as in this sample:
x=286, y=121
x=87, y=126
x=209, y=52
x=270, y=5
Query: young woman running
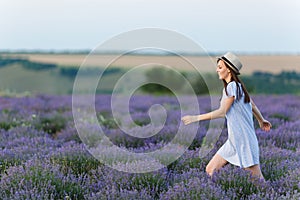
x=241, y=148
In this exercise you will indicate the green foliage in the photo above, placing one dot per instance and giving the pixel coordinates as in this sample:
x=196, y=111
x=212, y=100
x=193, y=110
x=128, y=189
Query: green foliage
x=267, y=83
x=179, y=82
x=37, y=65
x=107, y=121
x=127, y=141
x=165, y=81
x=155, y=89
x=152, y=182
x=198, y=83
x=272, y=171
x=142, y=121
x=51, y=124
x=240, y=182
x=37, y=176
x=71, y=71
x=68, y=71
x=61, y=77
x=280, y=116
x=196, y=143
x=26, y=63
x=9, y=61
x=79, y=163
x=7, y=125
x=193, y=188
x=8, y=120
x=184, y=164
x=5, y=163
x=257, y=83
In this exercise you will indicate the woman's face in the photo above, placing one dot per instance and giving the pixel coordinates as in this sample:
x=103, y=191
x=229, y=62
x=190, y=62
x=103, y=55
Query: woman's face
x=223, y=71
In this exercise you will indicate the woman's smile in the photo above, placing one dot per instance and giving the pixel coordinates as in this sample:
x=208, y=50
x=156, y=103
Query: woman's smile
x=223, y=71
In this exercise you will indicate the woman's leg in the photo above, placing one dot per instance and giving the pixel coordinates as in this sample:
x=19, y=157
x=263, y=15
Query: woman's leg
x=255, y=172
x=216, y=163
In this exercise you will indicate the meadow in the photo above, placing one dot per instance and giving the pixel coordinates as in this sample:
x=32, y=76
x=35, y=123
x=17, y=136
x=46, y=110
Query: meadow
x=25, y=74
x=265, y=63
x=42, y=156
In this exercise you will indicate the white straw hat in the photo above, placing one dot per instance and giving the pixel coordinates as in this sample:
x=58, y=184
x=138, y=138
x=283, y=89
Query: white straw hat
x=232, y=61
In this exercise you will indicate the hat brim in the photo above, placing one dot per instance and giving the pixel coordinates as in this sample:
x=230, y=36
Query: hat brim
x=229, y=64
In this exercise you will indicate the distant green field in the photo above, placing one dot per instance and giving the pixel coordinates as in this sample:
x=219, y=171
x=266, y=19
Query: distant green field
x=21, y=76
x=15, y=79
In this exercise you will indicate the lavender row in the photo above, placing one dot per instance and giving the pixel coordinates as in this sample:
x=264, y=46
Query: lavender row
x=42, y=156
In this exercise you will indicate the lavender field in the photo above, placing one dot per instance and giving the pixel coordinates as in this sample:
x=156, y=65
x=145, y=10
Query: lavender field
x=42, y=156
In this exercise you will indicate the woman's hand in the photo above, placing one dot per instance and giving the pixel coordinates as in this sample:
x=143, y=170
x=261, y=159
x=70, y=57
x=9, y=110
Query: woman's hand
x=265, y=125
x=190, y=119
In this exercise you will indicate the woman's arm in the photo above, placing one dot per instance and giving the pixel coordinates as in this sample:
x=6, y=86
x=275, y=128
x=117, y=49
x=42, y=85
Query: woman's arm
x=219, y=113
x=263, y=123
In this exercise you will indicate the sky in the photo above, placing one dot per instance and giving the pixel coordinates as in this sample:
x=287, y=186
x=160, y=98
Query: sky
x=250, y=26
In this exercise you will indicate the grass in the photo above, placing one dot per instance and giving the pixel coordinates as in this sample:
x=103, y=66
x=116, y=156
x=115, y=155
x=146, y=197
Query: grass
x=16, y=79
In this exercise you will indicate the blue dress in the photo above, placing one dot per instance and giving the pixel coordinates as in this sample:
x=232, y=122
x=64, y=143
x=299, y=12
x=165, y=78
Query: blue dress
x=241, y=148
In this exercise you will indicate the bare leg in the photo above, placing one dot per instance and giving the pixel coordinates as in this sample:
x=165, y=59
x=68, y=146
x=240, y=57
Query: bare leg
x=216, y=163
x=258, y=178
x=255, y=172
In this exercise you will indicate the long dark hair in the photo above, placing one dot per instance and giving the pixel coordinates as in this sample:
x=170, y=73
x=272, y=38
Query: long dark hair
x=236, y=79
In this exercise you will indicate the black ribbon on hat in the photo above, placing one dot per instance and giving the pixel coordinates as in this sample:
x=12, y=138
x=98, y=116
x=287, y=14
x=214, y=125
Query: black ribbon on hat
x=228, y=61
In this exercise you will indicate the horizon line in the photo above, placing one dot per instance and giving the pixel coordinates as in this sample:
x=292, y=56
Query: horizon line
x=87, y=51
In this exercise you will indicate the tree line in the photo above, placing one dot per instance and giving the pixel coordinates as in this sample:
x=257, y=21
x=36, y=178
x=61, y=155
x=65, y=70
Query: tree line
x=286, y=82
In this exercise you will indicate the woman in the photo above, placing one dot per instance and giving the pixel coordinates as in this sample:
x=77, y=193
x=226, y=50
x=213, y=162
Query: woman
x=241, y=148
